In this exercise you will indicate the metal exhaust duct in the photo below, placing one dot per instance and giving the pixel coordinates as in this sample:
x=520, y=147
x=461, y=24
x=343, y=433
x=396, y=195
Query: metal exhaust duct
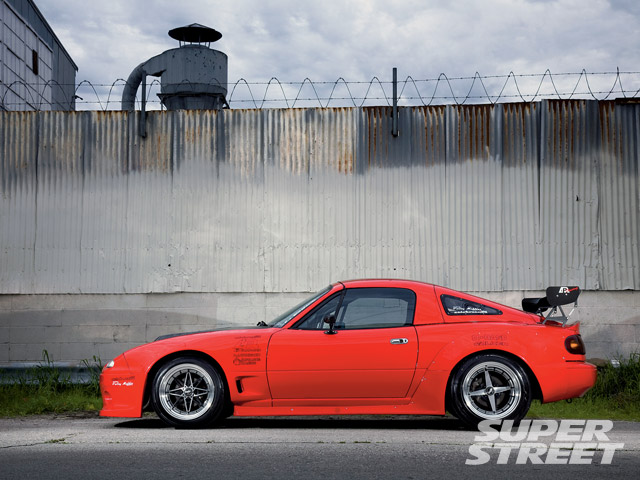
x=192, y=77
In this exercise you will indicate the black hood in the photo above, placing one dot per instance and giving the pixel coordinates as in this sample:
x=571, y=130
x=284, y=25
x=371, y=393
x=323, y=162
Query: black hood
x=221, y=329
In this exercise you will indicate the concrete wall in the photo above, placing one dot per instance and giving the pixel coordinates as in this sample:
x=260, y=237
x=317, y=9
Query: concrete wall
x=76, y=327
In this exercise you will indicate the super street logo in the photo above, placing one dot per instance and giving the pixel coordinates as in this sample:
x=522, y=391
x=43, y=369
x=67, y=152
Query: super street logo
x=543, y=442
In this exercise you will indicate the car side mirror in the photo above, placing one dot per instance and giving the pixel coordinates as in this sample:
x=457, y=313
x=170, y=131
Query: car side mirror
x=331, y=320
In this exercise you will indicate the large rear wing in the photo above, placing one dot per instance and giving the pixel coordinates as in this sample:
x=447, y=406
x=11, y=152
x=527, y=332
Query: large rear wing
x=555, y=299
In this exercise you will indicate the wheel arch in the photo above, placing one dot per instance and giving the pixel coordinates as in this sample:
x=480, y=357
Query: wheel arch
x=151, y=373
x=535, y=385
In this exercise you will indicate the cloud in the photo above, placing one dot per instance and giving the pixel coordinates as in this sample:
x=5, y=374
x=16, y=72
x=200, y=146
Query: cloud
x=357, y=39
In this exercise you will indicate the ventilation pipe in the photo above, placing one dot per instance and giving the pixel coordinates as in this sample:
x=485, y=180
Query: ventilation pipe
x=192, y=77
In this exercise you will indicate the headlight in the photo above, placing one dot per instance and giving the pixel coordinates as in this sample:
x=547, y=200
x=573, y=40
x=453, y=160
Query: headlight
x=110, y=364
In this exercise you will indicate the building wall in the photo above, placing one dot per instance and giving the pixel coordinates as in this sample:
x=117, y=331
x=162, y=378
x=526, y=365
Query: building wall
x=75, y=327
x=45, y=82
x=263, y=205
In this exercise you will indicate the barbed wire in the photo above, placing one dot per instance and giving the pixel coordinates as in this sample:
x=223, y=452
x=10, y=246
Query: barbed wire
x=275, y=93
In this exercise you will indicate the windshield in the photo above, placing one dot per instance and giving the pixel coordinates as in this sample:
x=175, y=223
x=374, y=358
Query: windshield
x=283, y=319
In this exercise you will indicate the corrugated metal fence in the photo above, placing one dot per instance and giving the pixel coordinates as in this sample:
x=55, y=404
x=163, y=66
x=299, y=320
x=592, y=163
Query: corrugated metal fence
x=479, y=198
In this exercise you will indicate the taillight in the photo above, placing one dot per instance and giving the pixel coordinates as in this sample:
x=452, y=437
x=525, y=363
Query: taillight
x=574, y=344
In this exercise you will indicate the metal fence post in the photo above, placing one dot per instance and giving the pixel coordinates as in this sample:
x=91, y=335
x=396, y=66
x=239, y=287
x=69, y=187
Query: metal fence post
x=394, y=121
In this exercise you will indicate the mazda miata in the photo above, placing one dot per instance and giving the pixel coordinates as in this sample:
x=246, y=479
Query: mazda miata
x=362, y=347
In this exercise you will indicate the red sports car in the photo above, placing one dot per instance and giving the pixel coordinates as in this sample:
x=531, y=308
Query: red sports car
x=362, y=347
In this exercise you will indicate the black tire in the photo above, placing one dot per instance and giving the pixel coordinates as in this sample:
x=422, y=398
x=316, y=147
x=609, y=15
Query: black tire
x=188, y=392
x=490, y=387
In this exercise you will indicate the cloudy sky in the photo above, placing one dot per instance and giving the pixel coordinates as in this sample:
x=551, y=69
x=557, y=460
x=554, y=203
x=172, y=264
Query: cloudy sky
x=361, y=39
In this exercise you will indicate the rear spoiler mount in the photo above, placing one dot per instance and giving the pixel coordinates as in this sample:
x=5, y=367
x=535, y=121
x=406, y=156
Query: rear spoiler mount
x=555, y=299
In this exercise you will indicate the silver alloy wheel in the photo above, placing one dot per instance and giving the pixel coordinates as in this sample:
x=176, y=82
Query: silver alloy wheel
x=492, y=390
x=186, y=391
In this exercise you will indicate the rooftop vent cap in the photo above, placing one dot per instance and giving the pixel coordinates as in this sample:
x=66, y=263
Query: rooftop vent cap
x=195, y=34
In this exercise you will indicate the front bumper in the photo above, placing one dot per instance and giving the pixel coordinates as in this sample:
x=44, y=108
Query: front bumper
x=122, y=393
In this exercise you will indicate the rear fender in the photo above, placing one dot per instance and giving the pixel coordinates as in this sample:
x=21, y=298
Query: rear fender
x=480, y=340
x=432, y=390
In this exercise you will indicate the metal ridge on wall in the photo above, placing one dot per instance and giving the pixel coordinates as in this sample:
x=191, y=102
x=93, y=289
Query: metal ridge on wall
x=476, y=197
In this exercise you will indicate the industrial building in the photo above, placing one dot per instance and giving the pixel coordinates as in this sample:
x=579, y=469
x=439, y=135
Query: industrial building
x=216, y=218
x=36, y=72
x=117, y=227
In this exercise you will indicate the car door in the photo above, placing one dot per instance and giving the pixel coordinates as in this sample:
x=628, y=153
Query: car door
x=371, y=353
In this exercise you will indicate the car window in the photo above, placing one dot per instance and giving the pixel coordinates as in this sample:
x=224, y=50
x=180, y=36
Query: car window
x=283, y=319
x=314, y=320
x=360, y=308
x=459, y=306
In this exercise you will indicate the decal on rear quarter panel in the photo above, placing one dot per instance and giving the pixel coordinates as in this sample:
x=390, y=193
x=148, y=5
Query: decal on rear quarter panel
x=483, y=340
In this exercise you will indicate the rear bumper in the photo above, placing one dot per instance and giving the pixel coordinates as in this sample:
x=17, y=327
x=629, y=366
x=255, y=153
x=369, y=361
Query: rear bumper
x=566, y=380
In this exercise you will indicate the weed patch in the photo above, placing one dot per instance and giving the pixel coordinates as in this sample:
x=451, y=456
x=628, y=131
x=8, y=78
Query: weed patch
x=48, y=389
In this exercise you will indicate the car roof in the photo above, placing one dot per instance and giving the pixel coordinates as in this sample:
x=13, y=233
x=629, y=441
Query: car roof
x=383, y=282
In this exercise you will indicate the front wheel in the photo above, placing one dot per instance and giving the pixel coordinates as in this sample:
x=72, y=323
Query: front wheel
x=188, y=392
x=490, y=387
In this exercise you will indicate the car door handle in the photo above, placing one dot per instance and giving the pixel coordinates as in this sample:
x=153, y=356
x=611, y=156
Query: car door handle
x=399, y=341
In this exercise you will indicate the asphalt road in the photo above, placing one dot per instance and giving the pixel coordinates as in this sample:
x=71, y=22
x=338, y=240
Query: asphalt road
x=309, y=448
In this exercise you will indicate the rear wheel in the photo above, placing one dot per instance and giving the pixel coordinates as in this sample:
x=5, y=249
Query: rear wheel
x=188, y=392
x=490, y=387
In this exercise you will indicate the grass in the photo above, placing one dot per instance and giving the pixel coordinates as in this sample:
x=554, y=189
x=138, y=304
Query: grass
x=20, y=400
x=45, y=389
x=584, y=409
